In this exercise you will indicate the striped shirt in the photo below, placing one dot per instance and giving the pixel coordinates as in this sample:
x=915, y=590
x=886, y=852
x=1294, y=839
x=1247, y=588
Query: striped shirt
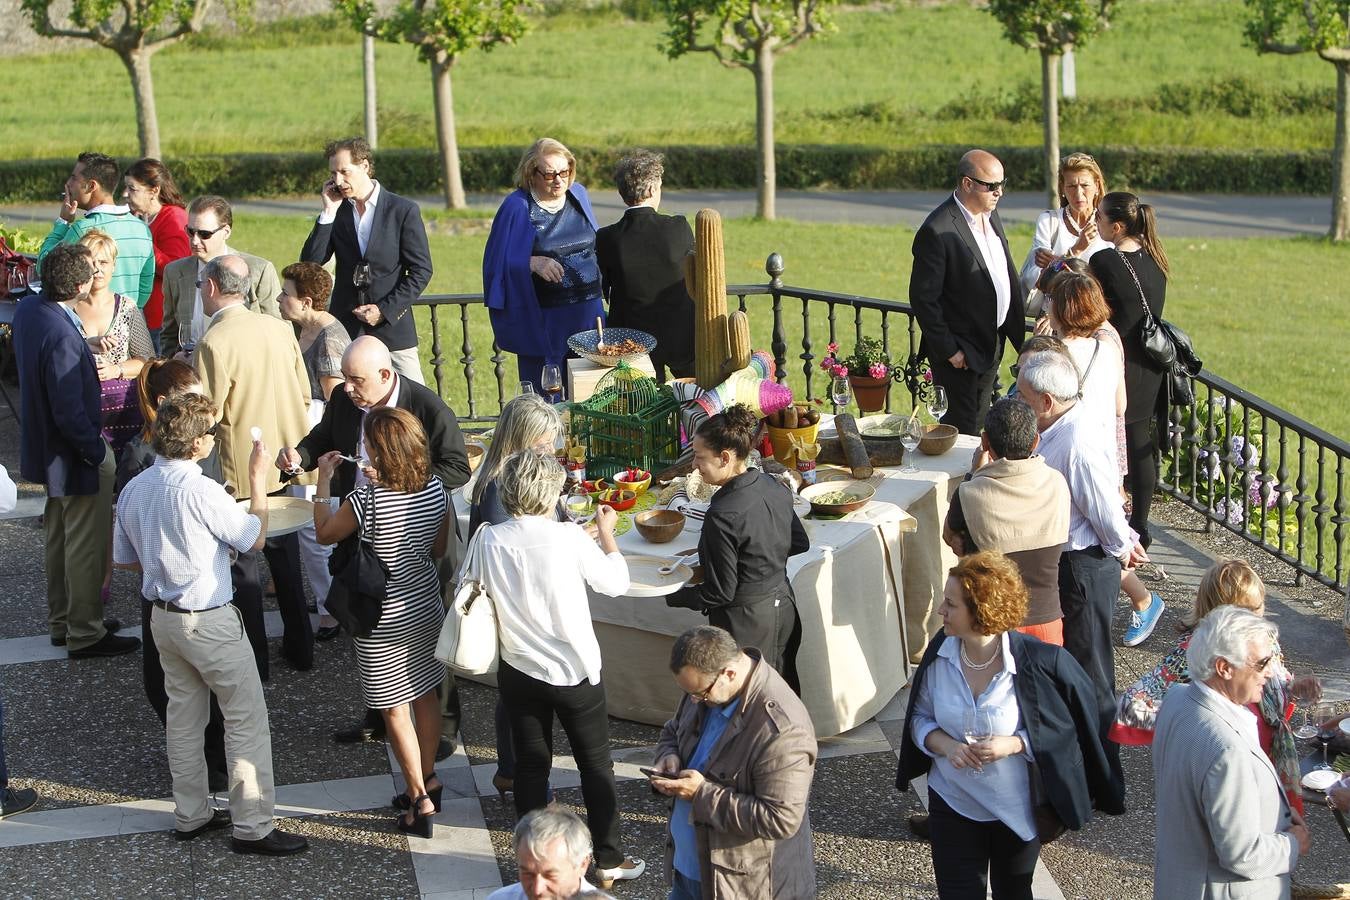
x=134, y=271
x=180, y=526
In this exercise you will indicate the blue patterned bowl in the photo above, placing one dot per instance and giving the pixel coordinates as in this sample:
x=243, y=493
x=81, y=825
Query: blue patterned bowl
x=583, y=344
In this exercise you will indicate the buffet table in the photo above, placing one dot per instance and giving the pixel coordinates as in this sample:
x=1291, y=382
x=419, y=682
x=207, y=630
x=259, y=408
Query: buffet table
x=856, y=639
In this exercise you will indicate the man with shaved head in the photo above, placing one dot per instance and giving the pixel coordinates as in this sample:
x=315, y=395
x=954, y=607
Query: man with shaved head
x=965, y=290
x=369, y=382
x=250, y=365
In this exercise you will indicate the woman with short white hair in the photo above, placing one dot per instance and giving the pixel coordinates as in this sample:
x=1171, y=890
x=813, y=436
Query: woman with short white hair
x=537, y=570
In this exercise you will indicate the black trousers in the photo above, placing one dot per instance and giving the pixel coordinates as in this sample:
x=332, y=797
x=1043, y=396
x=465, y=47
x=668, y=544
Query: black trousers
x=1089, y=583
x=969, y=394
x=775, y=630
x=152, y=674
x=283, y=559
x=1142, y=475
x=581, y=710
x=970, y=857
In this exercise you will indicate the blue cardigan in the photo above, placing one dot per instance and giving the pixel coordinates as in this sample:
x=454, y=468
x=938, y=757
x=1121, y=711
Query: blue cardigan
x=508, y=289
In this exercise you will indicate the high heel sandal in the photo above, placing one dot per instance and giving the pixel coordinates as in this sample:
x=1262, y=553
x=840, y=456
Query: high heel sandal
x=401, y=801
x=502, y=785
x=421, y=823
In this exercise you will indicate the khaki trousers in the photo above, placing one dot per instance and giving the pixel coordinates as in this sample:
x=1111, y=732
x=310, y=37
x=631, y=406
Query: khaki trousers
x=204, y=653
x=408, y=364
x=79, y=536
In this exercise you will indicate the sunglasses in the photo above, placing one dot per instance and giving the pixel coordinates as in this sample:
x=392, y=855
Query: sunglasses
x=202, y=233
x=1261, y=664
x=560, y=175
x=212, y=430
x=990, y=186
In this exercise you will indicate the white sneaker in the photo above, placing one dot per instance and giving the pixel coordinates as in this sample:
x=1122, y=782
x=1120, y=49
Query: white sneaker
x=629, y=869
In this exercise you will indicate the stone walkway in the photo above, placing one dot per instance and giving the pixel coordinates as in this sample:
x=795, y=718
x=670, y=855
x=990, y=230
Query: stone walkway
x=81, y=733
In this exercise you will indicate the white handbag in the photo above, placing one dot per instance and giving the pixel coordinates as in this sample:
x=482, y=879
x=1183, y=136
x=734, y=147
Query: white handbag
x=468, y=642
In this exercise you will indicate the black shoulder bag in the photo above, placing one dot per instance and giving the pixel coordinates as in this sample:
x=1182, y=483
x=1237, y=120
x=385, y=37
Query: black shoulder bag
x=1168, y=347
x=356, y=598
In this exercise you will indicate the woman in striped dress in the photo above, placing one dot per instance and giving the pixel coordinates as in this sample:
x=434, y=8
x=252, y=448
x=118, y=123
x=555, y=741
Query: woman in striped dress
x=403, y=510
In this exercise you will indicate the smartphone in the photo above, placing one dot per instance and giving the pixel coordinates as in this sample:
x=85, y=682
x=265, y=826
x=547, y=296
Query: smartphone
x=653, y=773
x=331, y=189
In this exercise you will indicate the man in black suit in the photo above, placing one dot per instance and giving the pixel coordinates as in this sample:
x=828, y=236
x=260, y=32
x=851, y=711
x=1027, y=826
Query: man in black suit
x=377, y=236
x=369, y=383
x=641, y=260
x=965, y=291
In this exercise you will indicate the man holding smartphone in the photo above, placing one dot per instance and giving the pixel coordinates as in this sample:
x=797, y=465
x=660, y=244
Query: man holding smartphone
x=738, y=758
x=383, y=261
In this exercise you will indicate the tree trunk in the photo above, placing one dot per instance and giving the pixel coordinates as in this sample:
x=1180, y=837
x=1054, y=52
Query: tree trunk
x=765, y=170
x=368, y=70
x=445, y=129
x=137, y=62
x=1050, y=122
x=1340, y=158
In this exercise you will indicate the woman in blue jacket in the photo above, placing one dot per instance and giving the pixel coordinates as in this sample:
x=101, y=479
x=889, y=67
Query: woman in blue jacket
x=541, y=280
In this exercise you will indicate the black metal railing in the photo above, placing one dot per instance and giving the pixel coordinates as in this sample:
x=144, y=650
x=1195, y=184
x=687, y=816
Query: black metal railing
x=1243, y=463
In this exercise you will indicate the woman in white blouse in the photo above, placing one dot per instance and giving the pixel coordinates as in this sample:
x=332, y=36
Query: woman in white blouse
x=1070, y=230
x=987, y=702
x=537, y=570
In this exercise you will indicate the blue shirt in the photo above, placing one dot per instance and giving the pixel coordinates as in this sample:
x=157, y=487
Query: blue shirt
x=1003, y=792
x=568, y=237
x=682, y=817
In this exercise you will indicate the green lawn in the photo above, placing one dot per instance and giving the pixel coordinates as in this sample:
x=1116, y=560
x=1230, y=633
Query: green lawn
x=883, y=78
x=1251, y=305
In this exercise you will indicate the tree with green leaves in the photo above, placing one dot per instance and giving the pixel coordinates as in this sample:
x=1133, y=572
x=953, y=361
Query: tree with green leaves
x=1051, y=27
x=132, y=30
x=748, y=34
x=442, y=30
x=1321, y=27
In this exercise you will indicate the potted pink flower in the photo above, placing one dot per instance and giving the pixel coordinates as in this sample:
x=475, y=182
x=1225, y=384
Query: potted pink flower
x=868, y=369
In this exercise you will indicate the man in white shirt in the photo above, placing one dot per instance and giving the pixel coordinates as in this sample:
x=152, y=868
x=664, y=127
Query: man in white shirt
x=1224, y=824
x=553, y=850
x=178, y=528
x=965, y=290
x=1100, y=540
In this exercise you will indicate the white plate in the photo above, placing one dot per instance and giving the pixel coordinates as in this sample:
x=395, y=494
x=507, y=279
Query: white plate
x=1345, y=725
x=801, y=506
x=1321, y=779
x=286, y=515
x=647, y=581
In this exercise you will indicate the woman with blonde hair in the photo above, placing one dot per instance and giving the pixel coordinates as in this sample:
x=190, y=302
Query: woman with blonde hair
x=541, y=278
x=989, y=708
x=1071, y=230
x=115, y=330
x=1229, y=582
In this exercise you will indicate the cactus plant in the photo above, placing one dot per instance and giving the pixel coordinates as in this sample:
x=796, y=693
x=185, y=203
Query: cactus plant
x=738, y=340
x=706, y=281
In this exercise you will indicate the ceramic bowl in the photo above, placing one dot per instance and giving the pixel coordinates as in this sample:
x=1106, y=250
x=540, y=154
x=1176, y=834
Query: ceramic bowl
x=584, y=344
x=659, y=525
x=618, y=499
x=476, y=453
x=859, y=492
x=938, y=439
x=637, y=487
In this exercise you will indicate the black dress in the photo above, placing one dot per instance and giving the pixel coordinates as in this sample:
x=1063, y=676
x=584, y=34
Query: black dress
x=1143, y=377
x=748, y=534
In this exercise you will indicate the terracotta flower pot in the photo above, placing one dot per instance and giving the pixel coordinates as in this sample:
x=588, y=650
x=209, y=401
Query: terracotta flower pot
x=869, y=392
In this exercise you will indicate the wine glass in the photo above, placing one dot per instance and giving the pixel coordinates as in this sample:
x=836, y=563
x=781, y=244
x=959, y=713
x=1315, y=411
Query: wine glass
x=840, y=392
x=526, y=387
x=1327, y=727
x=976, y=727
x=361, y=281
x=550, y=381
x=910, y=436
x=1307, y=731
x=937, y=407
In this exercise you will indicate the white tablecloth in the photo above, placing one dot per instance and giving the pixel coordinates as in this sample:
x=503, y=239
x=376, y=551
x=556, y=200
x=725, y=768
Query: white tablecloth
x=854, y=655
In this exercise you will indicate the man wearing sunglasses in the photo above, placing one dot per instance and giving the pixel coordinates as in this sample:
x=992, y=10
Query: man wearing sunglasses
x=738, y=759
x=965, y=290
x=210, y=223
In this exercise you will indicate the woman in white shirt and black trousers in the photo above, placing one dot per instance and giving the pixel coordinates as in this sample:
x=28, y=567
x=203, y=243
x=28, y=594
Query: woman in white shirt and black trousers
x=988, y=709
x=537, y=570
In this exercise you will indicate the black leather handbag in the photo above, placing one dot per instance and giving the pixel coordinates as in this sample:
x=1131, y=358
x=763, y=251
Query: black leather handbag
x=1170, y=348
x=360, y=577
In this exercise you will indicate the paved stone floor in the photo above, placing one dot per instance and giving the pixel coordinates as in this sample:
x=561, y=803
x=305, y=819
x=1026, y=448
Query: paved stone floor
x=82, y=734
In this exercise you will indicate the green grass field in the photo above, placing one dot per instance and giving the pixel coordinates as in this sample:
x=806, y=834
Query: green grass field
x=1252, y=328
x=883, y=78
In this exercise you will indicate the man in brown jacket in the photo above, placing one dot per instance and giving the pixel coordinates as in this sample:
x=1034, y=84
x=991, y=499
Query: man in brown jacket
x=738, y=758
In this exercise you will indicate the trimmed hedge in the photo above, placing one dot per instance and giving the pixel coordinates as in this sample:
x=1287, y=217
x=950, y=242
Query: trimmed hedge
x=800, y=166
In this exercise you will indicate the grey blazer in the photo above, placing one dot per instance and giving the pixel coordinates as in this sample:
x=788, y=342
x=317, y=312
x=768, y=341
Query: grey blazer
x=1222, y=819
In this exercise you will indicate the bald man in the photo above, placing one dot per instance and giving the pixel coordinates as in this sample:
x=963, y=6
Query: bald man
x=369, y=382
x=965, y=290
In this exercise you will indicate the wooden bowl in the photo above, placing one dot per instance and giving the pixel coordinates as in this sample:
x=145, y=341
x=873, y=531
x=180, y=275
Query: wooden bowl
x=637, y=487
x=623, y=500
x=659, y=526
x=938, y=439
x=858, y=493
x=475, y=453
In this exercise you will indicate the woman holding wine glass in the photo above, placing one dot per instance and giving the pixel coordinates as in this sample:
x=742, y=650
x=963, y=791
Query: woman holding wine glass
x=968, y=731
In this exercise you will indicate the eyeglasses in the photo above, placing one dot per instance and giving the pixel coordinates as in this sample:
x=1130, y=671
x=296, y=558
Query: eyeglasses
x=212, y=430
x=202, y=233
x=560, y=175
x=1261, y=664
x=702, y=695
x=990, y=186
